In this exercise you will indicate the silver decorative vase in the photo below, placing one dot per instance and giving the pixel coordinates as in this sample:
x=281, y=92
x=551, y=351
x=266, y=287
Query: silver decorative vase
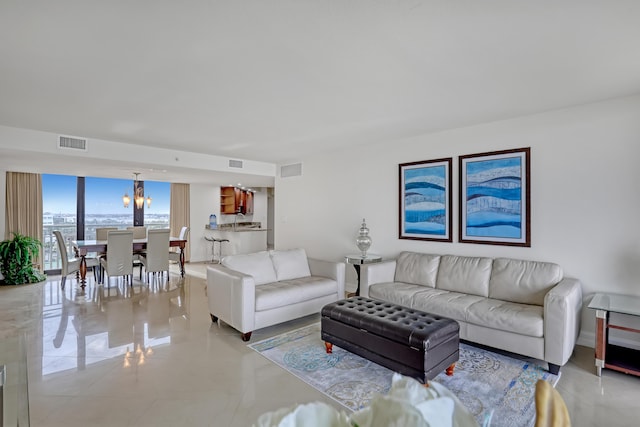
x=363, y=241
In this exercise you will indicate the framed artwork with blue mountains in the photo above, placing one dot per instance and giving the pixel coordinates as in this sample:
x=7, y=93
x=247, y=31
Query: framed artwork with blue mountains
x=425, y=200
x=495, y=198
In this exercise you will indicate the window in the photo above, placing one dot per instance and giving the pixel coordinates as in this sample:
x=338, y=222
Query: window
x=59, y=197
x=157, y=216
x=103, y=207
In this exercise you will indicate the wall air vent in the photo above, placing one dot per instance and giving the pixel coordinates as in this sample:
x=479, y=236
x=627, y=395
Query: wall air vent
x=72, y=143
x=288, y=171
x=235, y=164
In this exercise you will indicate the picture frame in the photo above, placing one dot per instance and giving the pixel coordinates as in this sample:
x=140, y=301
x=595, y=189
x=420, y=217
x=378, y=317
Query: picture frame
x=495, y=198
x=425, y=200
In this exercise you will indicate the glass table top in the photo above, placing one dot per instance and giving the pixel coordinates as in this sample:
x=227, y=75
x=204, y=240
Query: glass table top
x=359, y=259
x=616, y=303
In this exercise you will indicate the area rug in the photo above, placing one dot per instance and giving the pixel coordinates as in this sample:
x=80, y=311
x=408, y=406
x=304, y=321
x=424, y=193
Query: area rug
x=487, y=383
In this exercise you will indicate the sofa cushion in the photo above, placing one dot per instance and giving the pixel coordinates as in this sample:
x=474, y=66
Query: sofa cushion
x=417, y=269
x=445, y=303
x=288, y=292
x=524, y=319
x=290, y=264
x=395, y=292
x=525, y=282
x=467, y=275
x=257, y=264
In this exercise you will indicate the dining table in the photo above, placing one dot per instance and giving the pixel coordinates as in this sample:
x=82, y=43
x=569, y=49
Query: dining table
x=83, y=247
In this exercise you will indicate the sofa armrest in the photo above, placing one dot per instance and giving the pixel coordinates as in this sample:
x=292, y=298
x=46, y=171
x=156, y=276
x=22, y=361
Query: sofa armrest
x=562, y=306
x=330, y=269
x=232, y=297
x=378, y=272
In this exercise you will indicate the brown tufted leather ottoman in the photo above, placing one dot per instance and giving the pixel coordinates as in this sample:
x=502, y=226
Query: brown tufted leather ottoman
x=408, y=341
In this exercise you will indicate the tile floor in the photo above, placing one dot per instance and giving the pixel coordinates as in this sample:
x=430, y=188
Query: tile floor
x=84, y=367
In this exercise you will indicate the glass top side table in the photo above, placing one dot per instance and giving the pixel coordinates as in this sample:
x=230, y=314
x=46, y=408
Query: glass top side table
x=357, y=260
x=611, y=356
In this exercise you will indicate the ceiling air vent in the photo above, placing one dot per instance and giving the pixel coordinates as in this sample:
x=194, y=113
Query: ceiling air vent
x=235, y=164
x=72, y=143
x=287, y=171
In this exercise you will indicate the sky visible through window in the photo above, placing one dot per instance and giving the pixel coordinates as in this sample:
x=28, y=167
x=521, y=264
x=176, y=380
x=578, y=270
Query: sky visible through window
x=103, y=208
x=103, y=195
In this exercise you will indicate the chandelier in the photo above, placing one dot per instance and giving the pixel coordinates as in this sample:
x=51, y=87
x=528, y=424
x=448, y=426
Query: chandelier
x=138, y=195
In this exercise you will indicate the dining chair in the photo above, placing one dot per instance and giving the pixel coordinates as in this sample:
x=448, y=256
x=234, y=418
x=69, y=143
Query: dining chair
x=72, y=265
x=119, y=258
x=156, y=259
x=102, y=232
x=139, y=232
x=174, y=255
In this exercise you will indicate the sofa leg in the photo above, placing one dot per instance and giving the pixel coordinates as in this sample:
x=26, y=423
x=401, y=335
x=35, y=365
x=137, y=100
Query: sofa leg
x=450, y=369
x=214, y=319
x=554, y=369
x=329, y=347
x=246, y=336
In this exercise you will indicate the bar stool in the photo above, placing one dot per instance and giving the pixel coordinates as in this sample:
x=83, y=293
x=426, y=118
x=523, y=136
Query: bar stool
x=213, y=241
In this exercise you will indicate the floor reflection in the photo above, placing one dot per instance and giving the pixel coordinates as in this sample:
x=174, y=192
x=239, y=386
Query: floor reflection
x=81, y=327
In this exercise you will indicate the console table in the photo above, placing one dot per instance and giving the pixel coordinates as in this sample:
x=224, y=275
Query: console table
x=608, y=355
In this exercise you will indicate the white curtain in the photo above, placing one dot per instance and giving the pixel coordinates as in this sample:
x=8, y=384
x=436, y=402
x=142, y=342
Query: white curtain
x=23, y=208
x=179, y=213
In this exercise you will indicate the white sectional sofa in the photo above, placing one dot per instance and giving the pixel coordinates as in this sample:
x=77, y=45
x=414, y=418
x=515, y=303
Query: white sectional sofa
x=260, y=289
x=524, y=307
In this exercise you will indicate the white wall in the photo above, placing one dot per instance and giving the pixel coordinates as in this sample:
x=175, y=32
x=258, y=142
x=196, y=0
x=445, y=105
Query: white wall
x=205, y=200
x=585, y=195
x=3, y=198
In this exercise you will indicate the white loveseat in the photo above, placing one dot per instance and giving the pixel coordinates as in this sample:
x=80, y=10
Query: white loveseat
x=252, y=291
x=524, y=307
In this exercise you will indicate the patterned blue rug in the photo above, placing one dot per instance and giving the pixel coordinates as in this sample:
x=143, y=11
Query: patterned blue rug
x=487, y=383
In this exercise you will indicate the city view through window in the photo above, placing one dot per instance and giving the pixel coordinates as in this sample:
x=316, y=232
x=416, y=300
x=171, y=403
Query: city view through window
x=103, y=208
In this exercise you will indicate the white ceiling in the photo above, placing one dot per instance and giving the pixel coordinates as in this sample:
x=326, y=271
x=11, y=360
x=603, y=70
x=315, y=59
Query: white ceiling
x=275, y=81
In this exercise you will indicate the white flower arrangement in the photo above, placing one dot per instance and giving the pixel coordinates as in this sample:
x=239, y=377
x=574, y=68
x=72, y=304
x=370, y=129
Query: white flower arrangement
x=408, y=404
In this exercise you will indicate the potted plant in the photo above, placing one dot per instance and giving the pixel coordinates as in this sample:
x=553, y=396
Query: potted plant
x=16, y=260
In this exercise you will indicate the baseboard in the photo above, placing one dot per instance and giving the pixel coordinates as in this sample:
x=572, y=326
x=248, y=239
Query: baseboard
x=588, y=339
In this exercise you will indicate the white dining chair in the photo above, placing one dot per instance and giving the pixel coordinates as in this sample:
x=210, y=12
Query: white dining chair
x=174, y=255
x=139, y=232
x=72, y=264
x=119, y=258
x=103, y=232
x=156, y=258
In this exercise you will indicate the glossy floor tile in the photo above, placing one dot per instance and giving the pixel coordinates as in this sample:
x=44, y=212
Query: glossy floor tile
x=148, y=355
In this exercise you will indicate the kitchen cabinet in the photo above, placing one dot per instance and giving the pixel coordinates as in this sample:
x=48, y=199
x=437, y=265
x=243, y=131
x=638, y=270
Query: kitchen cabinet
x=234, y=200
x=229, y=200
